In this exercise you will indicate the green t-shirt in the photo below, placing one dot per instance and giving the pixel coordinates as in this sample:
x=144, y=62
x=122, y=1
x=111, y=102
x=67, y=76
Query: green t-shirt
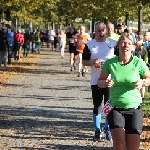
x=114, y=37
x=123, y=92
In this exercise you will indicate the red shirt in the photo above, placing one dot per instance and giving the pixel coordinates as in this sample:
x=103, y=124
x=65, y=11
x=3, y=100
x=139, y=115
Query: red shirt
x=18, y=37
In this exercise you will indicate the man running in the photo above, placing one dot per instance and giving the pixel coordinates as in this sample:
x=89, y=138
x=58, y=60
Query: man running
x=95, y=53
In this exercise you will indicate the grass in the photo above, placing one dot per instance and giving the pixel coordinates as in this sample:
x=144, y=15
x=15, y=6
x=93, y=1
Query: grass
x=145, y=138
x=146, y=104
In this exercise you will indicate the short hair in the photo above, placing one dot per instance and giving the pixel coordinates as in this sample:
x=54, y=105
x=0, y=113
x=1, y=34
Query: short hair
x=109, y=23
x=127, y=35
x=82, y=27
x=98, y=24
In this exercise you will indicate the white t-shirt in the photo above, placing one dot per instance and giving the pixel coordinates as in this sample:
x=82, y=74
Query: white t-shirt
x=51, y=35
x=102, y=51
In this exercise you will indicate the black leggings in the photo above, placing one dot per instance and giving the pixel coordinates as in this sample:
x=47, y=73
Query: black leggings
x=97, y=95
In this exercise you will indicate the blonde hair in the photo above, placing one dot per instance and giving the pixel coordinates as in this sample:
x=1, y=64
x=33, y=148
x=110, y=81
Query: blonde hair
x=123, y=35
x=140, y=37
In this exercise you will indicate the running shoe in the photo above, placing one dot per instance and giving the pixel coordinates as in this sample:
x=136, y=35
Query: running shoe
x=71, y=69
x=97, y=136
x=78, y=74
x=83, y=73
x=108, y=135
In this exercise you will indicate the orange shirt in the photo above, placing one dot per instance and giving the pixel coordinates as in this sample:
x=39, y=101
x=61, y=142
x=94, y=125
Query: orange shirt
x=139, y=44
x=81, y=40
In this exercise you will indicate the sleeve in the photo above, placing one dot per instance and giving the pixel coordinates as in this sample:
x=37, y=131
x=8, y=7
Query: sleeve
x=75, y=36
x=22, y=39
x=143, y=67
x=145, y=46
x=86, y=55
x=105, y=67
x=88, y=37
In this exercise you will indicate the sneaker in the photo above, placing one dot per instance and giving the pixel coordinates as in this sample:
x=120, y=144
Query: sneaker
x=78, y=74
x=83, y=73
x=108, y=135
x=71, y=69
x=97, y=136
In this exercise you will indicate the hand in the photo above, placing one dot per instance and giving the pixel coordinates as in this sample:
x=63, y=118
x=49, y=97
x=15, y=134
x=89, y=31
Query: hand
x=139, y=84
x=105, y=83
x=94, y=61
x=109, y=82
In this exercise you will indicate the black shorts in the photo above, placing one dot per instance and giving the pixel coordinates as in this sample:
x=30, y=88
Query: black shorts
x=97, y=95
x=72, y=49
x=51, y=42
x=129, y=119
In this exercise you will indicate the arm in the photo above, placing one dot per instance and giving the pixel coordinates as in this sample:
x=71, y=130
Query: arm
x=147, y=78
x=22, y=39
x=75, y=37
x=86, y=57
x=103, y=82
x=145, y=72
x=143, y=82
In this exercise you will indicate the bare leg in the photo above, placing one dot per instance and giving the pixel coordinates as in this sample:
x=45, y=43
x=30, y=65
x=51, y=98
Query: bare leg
x=80, y=62
x=118, y=136
x=132, y=141
x=71, y=59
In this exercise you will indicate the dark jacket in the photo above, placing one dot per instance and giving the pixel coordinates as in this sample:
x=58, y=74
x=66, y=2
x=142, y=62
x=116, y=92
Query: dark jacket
x=3, y=41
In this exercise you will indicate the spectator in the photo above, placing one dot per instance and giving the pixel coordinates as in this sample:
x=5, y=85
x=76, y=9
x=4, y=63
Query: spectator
x=11, y=44
x=18, y=42
x=37, y=41
x=26, y=43
x=3, y=45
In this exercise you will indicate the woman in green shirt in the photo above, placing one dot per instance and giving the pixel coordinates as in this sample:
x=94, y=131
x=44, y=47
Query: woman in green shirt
x=125, y=116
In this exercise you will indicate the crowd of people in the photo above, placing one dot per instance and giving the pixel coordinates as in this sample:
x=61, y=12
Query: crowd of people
x=119, y=60
x=13, y=42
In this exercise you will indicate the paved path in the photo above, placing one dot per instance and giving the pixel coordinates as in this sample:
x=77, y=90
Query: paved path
x=48, y=108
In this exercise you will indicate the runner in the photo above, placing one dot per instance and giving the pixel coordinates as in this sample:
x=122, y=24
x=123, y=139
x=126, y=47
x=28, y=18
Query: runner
x=95, y=53
x=62, y=42
x=81, y=39
x=72, y=48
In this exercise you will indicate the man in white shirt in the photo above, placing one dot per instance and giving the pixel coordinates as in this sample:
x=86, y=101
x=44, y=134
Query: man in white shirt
x=95, y=53
x=51, y=36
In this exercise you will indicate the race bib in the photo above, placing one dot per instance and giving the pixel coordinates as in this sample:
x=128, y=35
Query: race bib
x=80, y=42
x=71, y=40
x=98, y=65
x=106, y=109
